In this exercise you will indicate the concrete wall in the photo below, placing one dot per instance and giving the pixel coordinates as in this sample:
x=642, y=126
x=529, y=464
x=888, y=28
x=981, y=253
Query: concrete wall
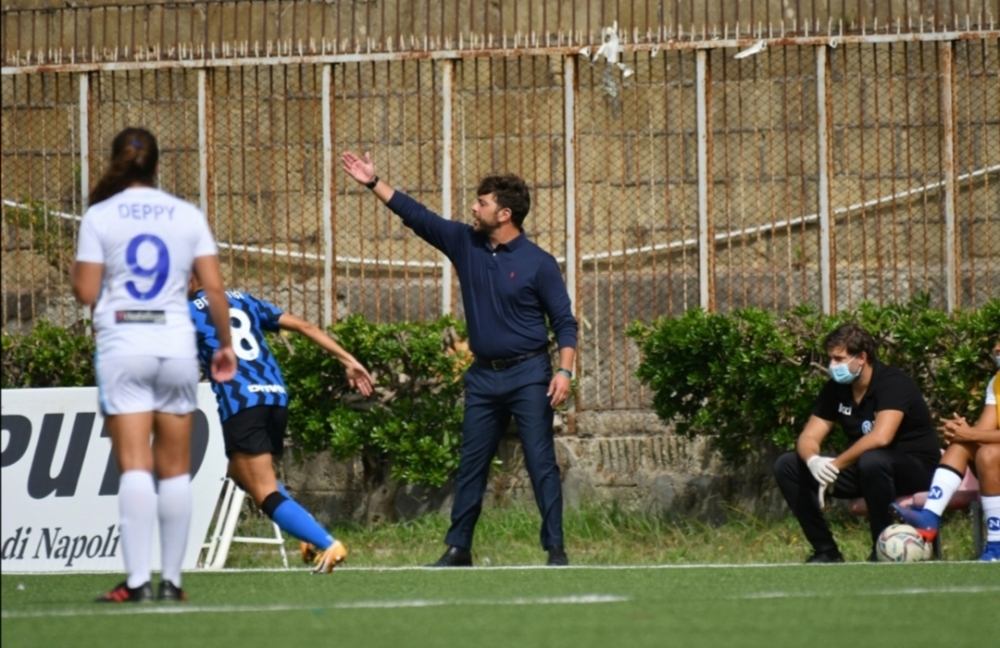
x=629, y=458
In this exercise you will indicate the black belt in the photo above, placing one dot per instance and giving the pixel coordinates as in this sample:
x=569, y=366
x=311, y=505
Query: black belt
x=506, y=363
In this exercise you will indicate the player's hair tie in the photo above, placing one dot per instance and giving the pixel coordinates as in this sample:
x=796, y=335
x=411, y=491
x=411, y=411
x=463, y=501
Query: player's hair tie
x=136, y=142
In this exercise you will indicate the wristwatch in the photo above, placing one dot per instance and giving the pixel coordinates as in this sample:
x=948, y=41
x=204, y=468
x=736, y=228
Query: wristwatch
x=371, y=185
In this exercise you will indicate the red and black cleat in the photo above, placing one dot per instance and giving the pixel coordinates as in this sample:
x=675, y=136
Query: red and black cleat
x=122, y=593
x=170, y=592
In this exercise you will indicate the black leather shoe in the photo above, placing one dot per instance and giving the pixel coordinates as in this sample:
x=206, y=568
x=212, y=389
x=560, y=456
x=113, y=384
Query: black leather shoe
x=122, y=593
x=454, y=557
x=558, y=558
x=828, y=556
x=170, y=592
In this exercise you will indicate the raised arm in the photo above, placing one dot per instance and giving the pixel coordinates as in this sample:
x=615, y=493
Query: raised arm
x=446, y=235
x=363, y=171
x=357, y=376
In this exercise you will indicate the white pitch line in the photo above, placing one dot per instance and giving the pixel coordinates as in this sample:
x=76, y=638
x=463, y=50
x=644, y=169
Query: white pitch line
x=423, y=568
x=125, y=609
x=909, y=591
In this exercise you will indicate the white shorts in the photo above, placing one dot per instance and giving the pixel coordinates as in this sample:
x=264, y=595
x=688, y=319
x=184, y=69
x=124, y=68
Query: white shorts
x=134, y=384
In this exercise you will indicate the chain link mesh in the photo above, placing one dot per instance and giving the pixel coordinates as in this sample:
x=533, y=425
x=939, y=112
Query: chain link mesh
x=977, y=152
x=41, y=196
x=393, y=111
x=265, y=182
x=635, y=216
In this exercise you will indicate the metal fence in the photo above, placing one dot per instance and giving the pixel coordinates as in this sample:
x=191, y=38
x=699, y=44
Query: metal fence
x=90, y=30
x=824, y=169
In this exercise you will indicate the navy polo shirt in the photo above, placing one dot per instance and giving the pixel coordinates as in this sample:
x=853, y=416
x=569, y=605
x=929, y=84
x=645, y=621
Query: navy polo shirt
x=508, y=291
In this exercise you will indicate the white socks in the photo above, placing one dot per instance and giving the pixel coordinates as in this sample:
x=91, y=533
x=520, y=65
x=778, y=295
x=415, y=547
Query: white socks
x=138, y=504
x=174, y=508
x=946, y=482
x=137, y=508
x=991, y=511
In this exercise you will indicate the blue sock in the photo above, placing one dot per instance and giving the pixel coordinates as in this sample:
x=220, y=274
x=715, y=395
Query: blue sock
x=283, y=491
x=292, y=518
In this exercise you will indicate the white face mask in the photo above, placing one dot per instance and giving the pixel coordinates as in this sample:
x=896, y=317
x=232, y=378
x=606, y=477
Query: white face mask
x=842, y=373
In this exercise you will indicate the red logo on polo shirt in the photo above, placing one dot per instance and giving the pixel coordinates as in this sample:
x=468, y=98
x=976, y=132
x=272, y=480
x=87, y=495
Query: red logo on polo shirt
x=511, y=274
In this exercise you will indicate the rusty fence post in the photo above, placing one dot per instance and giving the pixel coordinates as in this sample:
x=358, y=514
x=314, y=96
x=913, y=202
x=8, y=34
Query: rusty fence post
x=947, y=62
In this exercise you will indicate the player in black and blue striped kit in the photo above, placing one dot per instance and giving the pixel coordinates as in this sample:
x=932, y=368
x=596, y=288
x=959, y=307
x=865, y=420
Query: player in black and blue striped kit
x=258, y=380
x=253, y=407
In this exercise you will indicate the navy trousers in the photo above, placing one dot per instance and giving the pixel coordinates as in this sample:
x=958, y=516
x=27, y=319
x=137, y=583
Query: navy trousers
x=491, y=398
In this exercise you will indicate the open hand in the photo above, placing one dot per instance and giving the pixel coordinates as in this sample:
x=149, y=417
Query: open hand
x=361, y=169
x=359, y=378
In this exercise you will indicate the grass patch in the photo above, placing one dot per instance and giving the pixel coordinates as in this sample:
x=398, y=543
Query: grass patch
x=773, y=606
x=595, y=535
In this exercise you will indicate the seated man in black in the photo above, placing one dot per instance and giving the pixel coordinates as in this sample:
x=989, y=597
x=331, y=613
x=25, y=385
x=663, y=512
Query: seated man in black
x=893, y=448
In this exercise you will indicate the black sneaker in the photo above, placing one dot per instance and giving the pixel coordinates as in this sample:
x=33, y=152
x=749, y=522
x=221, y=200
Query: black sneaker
x=122, y=593
x=558, y=558
x=454, y=557
x=828, y=556
x=170, y=592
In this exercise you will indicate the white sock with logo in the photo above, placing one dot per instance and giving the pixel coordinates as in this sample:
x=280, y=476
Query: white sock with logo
x=991, y=511
x=137, y=508
x=946, y=482
x=175, y=521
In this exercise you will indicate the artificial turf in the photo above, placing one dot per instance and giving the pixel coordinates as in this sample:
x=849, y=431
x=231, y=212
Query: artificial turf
x=842, y=606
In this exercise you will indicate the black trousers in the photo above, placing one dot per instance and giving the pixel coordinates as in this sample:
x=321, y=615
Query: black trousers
x=491, y=398
x=879, y=476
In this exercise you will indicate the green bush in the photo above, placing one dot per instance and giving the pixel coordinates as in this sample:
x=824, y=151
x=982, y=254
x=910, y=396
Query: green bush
x=749, y=379
x=410, y=430
x=48, y=356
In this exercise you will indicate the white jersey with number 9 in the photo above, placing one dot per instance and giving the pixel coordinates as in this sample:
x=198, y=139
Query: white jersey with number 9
x=147, y=241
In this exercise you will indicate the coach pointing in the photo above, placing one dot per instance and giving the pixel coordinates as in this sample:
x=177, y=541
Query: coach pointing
x=510, y=287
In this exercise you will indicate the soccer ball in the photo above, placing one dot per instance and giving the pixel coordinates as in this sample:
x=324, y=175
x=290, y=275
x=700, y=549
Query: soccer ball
x=900, y=543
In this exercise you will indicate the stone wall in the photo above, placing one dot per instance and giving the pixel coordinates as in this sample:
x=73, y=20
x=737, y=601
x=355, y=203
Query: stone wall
x=629, y=458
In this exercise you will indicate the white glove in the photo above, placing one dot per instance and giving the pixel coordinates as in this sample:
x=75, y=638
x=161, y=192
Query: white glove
x=823, y=490
x=823, y=470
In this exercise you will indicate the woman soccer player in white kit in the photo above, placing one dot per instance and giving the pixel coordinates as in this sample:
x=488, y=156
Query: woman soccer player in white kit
x=137, y=249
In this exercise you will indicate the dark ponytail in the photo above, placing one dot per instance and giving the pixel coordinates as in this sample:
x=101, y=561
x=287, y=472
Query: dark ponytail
x=134, y=155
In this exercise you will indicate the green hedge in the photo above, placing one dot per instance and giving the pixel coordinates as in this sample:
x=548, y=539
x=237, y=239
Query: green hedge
x=48, y=356
x=745, y=380
x=411, y=428
x=409, y=431
x=749, y=379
